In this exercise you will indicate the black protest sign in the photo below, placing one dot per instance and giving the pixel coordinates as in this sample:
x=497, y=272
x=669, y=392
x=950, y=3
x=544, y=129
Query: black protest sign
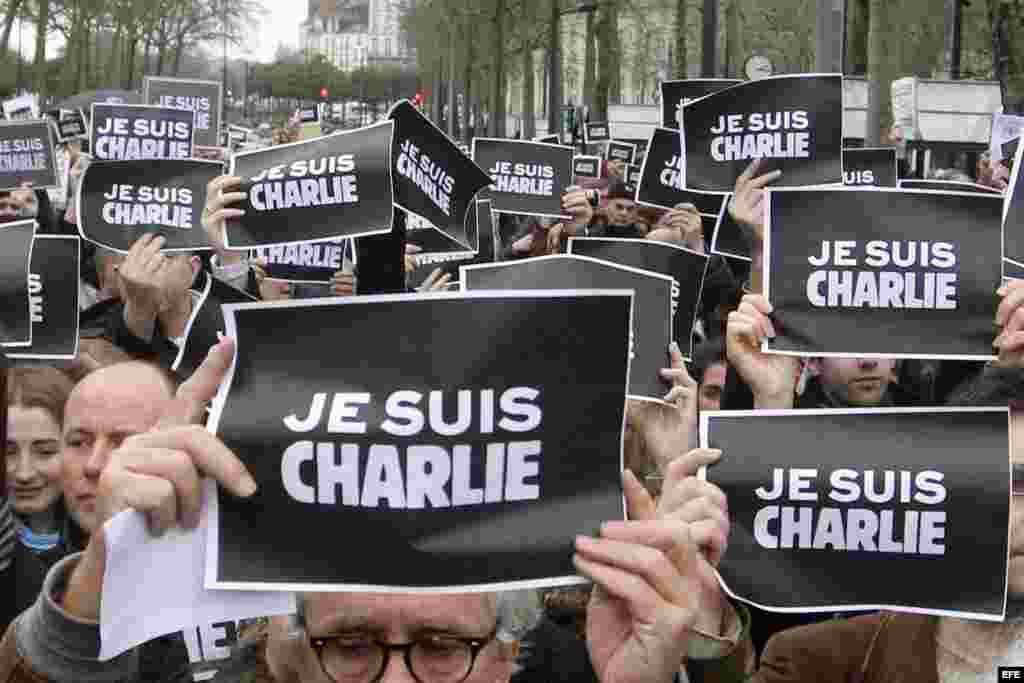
x=527, y=177
x=633, y=175
x=26, y=155
x=15, y=255
x=433, y=178
x=584, y=166
x=1009, y=149
x=206, y=322
x=120, y=201
x=674, y=94
x=430, y=240
x=71, y=126
x=686, y=268
x=793, y=123
x=661, y=177
x=596, y=131
x=53, y=298
x=870, y=167
x=205, y=98
x=313, y=262
x=843, y=498
x=333, y=186
x=1013, y=215
x=652, y=303
x=309, y=115
x=125, y=132
x=620, y=151
x=482, y=227
x=898, y=273
x=947, y=186
x=481, y=486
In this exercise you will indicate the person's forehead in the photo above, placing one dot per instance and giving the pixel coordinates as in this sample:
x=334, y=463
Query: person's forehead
x=30, y=423
x=399, y=613
x=127, y=399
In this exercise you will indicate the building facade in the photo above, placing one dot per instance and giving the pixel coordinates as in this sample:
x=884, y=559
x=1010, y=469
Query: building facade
x=355, y=33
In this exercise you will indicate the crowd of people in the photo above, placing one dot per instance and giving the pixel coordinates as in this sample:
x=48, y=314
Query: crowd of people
x=116, y=429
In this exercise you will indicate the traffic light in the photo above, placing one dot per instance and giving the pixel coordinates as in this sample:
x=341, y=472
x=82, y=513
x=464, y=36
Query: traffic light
x=323, y=93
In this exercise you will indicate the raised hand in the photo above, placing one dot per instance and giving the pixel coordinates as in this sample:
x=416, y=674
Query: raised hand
x=771, y=377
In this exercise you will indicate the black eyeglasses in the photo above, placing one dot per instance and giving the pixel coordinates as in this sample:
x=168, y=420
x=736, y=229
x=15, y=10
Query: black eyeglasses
x=433, y=659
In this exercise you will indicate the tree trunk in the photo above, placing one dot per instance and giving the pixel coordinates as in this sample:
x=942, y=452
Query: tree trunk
x=179, y=51
x=607, y=62
x=12, y=13
x=42, y=20
x=133, y=49
x=680, y=46
x=1010, y=55
x=498, y=112
x=529, y=117
x=453, y=109
x=615, y=91
x=733, y=40
x=113, y=70
x=467, y=85
x=589, y=62
x=857, y=38
x=145, y=55
x=879, y=77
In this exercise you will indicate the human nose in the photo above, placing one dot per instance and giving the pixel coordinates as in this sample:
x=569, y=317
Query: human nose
x=99, y=456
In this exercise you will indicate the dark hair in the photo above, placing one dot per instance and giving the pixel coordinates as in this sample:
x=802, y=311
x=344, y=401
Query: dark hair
x=706, y=354
x=618, y=189
x=992, y=387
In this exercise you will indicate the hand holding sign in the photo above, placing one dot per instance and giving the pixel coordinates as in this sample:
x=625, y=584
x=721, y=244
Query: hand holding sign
x=140, y=281
x=747, y=204
x=772, y=378
x=220, y=194
x=159, y=474
x=1010, y=317
x=576, y=203
x=343, y=284
x=666, y=429
x=685, y=220
x=648, y=595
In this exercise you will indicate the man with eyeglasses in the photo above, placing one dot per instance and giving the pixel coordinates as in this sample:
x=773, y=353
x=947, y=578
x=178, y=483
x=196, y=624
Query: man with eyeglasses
x=645, y=614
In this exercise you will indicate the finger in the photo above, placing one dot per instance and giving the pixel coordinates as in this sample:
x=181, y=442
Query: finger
x=743, y=329
x=152, y=250
x=222, y=183
x=712, y=538
x=139, y=245
x=661, y=534
x=1012, y=300
x=689, y=464
x=639, y=503
x=225, y=199
x=766, y=179
x=208, y=454
x=1012, y=342
x=748, y=173
x=642, y=599
x=442, y=282
x=678, y=493
x=222, y=215
x=173, y=466
x=152, y=496
x=651, y=565
x=412, y=249
x=191, y=398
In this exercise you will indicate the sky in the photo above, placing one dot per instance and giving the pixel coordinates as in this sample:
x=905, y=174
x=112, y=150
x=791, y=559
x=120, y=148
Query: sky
x=280, y=26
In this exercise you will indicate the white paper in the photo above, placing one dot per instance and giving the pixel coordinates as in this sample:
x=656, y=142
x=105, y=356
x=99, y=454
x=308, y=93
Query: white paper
x=154, y=586
x=1004, y=129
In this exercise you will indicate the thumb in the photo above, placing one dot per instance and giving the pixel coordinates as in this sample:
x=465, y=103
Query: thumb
x=640, y=506
x=191, y=398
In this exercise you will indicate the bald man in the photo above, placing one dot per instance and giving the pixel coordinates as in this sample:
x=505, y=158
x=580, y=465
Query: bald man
x=105, y=408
